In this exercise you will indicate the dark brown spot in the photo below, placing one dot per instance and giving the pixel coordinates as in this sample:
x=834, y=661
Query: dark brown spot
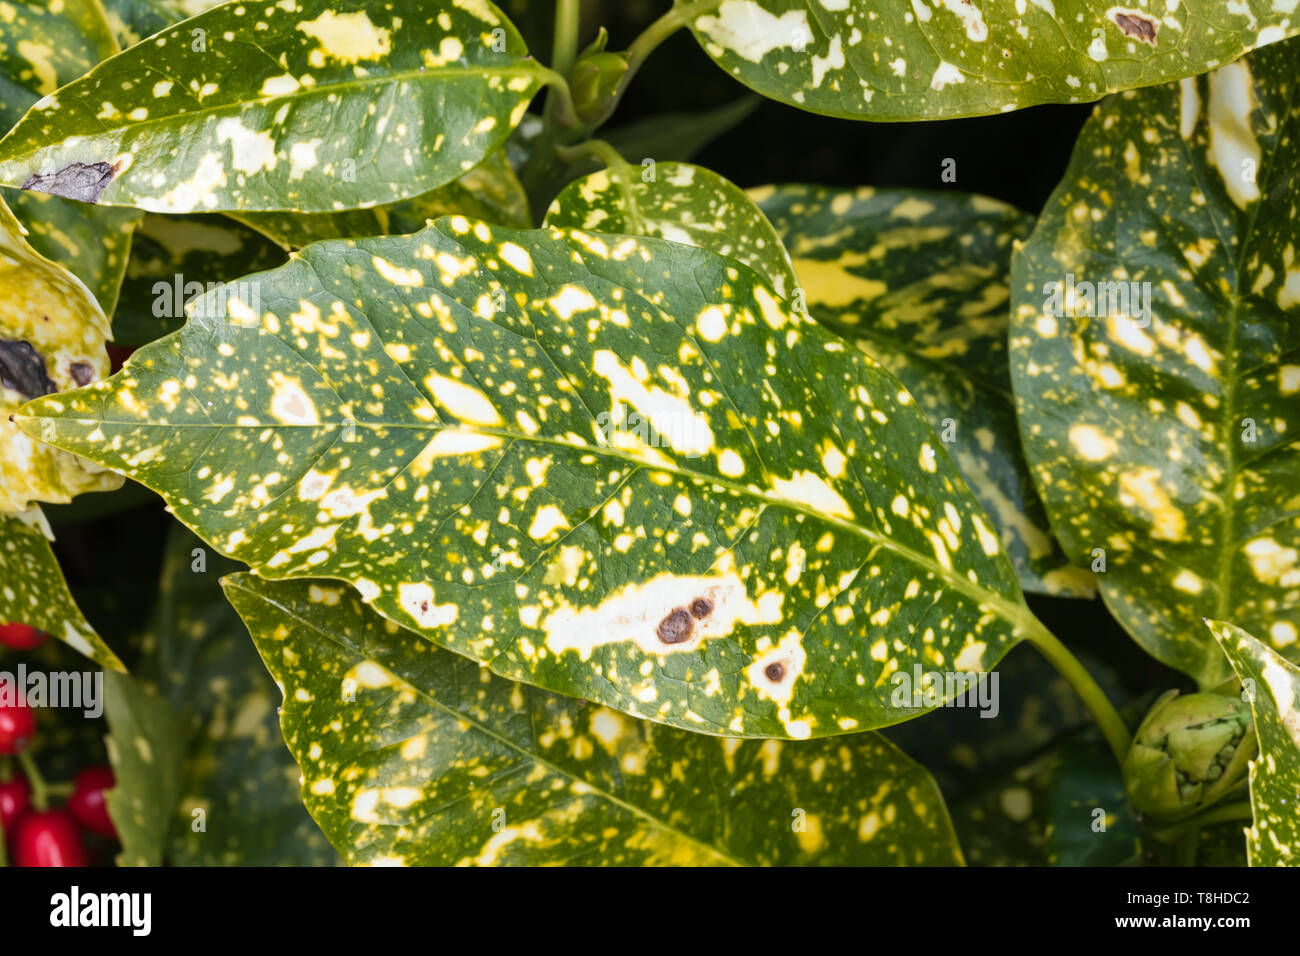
x=677, y=627
x=22, y=369
x=1138, y=27
x=424, y=607
x=701, y=608
x=83, y=373
x=81, y=181
x=775, y=672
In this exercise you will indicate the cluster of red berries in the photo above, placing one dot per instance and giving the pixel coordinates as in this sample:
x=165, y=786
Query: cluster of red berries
x=45, y=837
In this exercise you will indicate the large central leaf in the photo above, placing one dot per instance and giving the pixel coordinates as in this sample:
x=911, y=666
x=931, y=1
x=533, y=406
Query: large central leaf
x=616, y=467
x=314, y=106
x=1154, y=356
x=893, y=60
x=415, y=756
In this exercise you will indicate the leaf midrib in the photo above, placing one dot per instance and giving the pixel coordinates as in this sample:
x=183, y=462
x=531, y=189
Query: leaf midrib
x=494, y=735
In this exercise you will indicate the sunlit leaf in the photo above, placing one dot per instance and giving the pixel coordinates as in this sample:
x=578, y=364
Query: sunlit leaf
x=884, y=60
x=413, y=755
x=1272, y=685
x=682, y=203
x=52, y=335
x=314, y=106
x=33, y=592
x=920, y=281
x=679, y=499
x=42, y=46
x=1153, y=353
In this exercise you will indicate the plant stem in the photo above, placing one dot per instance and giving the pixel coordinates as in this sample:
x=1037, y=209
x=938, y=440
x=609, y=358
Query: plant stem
x=1093, y=697
x=40, y=791
x=565, y=49
x=1220, y=814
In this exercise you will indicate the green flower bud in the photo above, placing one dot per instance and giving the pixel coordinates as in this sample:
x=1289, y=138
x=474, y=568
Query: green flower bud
x=1188, y=753
x=593, y=82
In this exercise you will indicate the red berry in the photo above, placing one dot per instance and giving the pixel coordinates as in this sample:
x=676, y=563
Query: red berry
x=87, y=800
x=47, y=838
x=14, y=798
x=21, y=637
x=17, y=720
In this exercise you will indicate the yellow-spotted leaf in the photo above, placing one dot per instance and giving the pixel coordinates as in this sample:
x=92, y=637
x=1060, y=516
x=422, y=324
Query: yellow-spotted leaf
x=930, y=59
x=134, y=20
x=682, y=203
x=490, y=191
x=1272, y=685
x=411, y=755
x=44, y=45
x=312, y=105
x=52, y=335
x=920, y=282
x=1154, y=350
x=546, y=451
x=33, y=592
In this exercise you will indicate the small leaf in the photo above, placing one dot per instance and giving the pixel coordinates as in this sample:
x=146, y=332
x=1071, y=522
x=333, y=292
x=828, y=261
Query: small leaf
x=1153, y=353
x=315, y=106
x=145, y=750
x=919, y=281
x=546, y=451
x=416, y=756
x=679, y=136
x=238, y=801
x=52, y=335
x=885, y=60
x=490, y=191
x=33, y=592
x=175, y=259
x=48, y=46
x=1272, y=685
x=682, y=203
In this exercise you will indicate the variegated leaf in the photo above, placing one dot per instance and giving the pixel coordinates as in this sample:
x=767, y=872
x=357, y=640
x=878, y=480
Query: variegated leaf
x=1153, y=353
x=144, y=748
x=42, y=46
x=682, y=203
x=939, y=58
x=33, y=592
x=52, y=335
x=313, y=105
x=680, y=499
x=490, y=191
x=176, y=259
x=920, y=282
x=1272, y=685
x=415, y=756
x=134, y=20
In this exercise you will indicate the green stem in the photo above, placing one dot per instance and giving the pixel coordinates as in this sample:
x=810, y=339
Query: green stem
x=1093, y=697
x=565, y=49
x=1187, y=848
x=40, y=790
x=1220, y=814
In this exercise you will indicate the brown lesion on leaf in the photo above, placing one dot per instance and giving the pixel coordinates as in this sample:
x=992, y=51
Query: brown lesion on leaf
x=1137, y=25
x=83, y=373
x=80, y=181
x=775, y=672
x=701, y=608
x=22, y=369
x=676, y=627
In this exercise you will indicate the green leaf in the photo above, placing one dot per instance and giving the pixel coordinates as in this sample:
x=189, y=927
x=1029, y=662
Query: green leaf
x=490, y=191
x=1161, y=428
x=235, y=767
x=679, y=136
x=323, y=106
x=774, y=534
x=33, y=592
x=1273, y=689
x=919, y=280
x=52, y=335
x=133, y=20
x=170, y=255
x=893, y=61
x=682, y=203
x=413, y=755
x=41, y=50
x=144, y=748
